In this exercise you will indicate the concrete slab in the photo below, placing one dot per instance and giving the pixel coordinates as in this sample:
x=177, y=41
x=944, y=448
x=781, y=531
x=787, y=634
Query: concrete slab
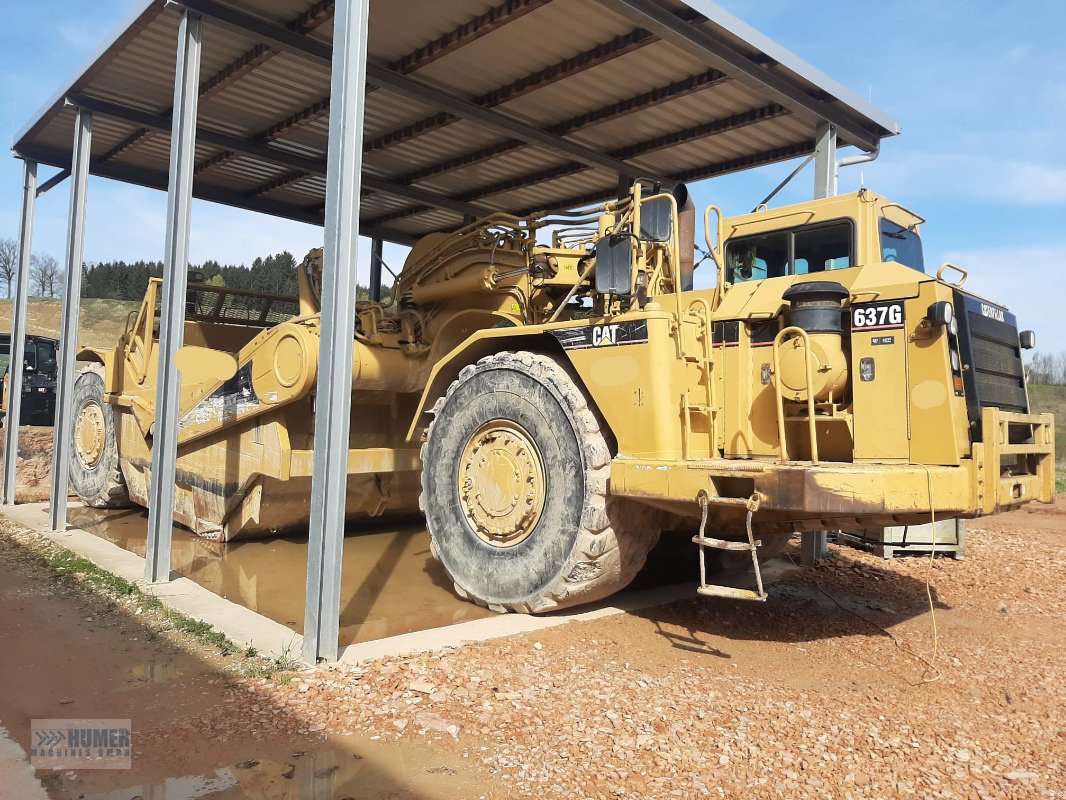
x=272, y=639
x=19, y=780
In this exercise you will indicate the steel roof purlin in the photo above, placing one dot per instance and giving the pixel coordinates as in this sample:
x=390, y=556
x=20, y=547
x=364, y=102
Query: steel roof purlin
x=472, y=106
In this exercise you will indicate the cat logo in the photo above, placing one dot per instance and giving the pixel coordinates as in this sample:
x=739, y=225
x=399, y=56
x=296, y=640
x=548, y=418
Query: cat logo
x=589, y=336
x=992, y=312
x=604, y=335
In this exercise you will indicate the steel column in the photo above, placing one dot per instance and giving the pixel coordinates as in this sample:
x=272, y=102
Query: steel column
x=376, y=250
x=17, y=349
x=161, y=489
x=329, y=480
x=68, y=334
x=813, y=547
x=825, y=160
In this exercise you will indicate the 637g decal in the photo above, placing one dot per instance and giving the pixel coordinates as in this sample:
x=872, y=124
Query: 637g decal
x=877, y=316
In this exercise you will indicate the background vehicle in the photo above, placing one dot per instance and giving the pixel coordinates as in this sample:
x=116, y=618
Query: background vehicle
x=38, y=379
x=554, y=393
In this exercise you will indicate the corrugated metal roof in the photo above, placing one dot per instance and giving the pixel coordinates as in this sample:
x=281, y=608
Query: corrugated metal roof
x=673, y=90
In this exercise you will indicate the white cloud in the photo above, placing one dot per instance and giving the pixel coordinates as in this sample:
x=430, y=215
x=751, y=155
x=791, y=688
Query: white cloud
x=1029, y=280
x=969, y=176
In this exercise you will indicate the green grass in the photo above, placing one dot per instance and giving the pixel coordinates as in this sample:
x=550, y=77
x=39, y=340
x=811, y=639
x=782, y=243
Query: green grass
x=116, y=589
x=1052, y=400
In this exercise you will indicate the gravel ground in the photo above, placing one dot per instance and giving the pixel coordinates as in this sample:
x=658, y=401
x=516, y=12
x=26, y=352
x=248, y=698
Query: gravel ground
x=819, y=692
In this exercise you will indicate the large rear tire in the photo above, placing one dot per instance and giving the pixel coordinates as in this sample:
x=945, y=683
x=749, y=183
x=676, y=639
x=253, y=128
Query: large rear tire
x=514, y=488
x=94, y=461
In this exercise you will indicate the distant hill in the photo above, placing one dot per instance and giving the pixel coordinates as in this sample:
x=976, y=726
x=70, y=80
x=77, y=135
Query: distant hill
x=1052, y=399
x=102, y=321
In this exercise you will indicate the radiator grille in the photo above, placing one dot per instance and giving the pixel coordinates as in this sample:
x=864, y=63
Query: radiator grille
x=996, y=364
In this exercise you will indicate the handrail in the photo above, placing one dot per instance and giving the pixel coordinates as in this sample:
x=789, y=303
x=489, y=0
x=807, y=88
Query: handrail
x=948, y=265
x=779, y=391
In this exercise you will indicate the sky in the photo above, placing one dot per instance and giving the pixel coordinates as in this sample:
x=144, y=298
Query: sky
x=979, y=88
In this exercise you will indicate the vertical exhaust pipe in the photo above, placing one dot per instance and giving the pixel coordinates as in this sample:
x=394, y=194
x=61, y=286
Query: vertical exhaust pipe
x=686, y=234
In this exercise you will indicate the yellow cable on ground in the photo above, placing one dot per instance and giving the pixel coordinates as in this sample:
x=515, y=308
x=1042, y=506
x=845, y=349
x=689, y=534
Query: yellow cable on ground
x=930, y=664
x=931, y=673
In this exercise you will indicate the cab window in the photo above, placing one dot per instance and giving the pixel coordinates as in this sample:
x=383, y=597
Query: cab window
x=46, y=356
x=901, y=245
x=822, y=248
x=752, y=258
x=799, y=251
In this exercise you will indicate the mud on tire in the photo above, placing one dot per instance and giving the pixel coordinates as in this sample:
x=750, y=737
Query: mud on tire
x=584, y=546
x=94, y=462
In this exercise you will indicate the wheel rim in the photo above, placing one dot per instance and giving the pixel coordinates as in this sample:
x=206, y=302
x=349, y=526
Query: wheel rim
x=501, y=483
x=90, y=435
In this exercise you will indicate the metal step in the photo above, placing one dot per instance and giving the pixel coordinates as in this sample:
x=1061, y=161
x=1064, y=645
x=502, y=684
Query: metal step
x=751, y=546
x=724, y=544
x=730, y=593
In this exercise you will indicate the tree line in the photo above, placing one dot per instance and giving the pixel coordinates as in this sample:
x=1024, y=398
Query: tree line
x=1047, y=368
x=122, y=280
x=46, y=276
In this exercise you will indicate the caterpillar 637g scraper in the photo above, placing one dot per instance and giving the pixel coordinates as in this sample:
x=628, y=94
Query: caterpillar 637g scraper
x=553, y=392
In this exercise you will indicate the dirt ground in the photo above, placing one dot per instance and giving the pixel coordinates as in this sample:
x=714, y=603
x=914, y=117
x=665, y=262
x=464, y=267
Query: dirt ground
x=100, y=325
x=820, y=692
x=34, y=471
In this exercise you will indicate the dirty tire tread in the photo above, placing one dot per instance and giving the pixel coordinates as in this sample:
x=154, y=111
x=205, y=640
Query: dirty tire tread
x=103, y=486
x=613, y=536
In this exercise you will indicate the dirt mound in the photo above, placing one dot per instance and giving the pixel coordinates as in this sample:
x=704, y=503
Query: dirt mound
x=102, y=321
x=34, y=473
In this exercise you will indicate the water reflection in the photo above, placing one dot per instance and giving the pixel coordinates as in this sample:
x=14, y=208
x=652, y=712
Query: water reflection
x=395, y=771
x=390, y=584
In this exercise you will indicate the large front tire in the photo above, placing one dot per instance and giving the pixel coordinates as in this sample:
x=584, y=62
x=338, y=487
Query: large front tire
x=94, y=460
x=514, y=488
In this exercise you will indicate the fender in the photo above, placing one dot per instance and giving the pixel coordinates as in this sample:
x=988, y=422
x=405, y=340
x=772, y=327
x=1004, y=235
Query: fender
x=108, y=360
x=558, y=339
x=485, y=342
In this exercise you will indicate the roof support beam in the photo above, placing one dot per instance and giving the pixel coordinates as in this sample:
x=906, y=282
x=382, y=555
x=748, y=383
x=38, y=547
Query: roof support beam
x=162, y=123
x=158, y=180
x=53, y=182
x=422, y=196
x=639, y=102
x=716, y=52
x=264, y=152
x=279, y=38
x=704, y=131
x=466, y=33
x=600, y=54
x=733, y=165
x=538, y=137
x=410, y=86
x=491, y=20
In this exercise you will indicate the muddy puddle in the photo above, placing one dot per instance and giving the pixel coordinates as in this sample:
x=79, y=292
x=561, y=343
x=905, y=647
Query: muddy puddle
x=397, y=771
x=390, y=583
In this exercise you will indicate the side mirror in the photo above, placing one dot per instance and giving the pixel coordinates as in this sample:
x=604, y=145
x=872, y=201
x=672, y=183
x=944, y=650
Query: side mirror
x=657, y=220
x=614, y=266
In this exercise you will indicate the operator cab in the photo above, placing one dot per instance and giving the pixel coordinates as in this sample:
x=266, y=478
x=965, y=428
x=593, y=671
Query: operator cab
x=820, y=236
